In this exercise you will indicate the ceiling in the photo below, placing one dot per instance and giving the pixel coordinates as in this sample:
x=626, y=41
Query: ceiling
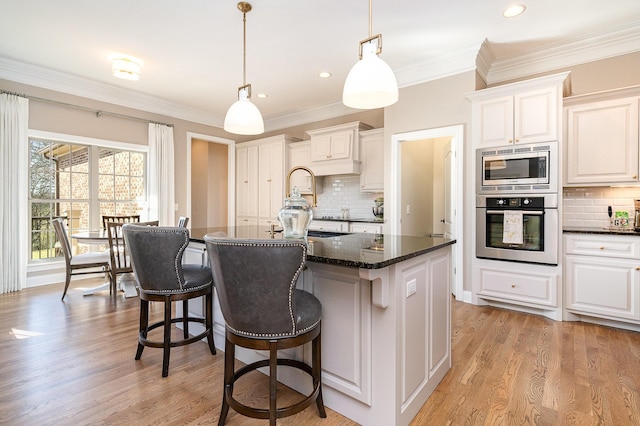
x=192, y=50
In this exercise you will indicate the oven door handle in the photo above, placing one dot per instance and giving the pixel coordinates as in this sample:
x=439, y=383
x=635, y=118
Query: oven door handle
x=529, y=212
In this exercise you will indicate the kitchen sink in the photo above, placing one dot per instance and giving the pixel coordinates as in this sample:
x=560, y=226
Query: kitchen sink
x=325, y=234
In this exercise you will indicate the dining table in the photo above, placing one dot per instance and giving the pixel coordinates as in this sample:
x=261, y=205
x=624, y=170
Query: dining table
x=101, y=237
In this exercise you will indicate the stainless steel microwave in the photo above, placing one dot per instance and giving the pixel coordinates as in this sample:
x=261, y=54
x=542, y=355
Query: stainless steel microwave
x=518, y=168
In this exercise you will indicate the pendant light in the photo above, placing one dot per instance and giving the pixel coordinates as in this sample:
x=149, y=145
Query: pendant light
x=371, y=82
x=243, y=117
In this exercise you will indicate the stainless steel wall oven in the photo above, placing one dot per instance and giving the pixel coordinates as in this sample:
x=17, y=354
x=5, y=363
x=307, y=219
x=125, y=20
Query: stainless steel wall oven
x=522, y=228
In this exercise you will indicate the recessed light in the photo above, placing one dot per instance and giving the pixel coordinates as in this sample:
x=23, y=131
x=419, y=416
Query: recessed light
x=514, y=10
x=324, y=74
x=262, y=95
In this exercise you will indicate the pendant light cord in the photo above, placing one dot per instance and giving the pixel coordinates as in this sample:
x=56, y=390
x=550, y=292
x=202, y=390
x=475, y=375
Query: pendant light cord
x=244, y=48
x=370, y=18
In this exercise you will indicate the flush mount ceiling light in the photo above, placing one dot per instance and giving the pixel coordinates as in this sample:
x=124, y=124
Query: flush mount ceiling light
x=514, y=10
x=371, y=82
x=127, y=67
x=243, y=117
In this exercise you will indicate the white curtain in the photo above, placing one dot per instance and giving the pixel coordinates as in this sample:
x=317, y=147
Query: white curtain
x=14, y=235
x=161, y=175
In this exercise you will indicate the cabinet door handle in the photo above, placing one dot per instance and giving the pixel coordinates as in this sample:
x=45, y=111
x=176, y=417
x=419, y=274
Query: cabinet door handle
x=517, y=140
x=601, y=248
x=635, y=176
x=637, y=268
x=513, y=286
x=510, y=141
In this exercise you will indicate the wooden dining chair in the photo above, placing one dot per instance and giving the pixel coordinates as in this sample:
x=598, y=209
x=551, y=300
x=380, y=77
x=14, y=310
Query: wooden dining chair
x=120, y=261
x=120, y=219
x=80, y=264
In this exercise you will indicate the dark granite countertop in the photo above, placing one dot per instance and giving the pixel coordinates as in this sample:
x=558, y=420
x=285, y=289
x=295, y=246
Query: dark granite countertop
x=359, y=250
x=602, y=230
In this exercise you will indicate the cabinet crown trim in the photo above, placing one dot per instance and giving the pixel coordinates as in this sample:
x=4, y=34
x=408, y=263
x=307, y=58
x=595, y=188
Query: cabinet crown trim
x=531, y=84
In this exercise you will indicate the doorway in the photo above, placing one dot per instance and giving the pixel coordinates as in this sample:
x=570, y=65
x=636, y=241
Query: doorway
x=426, y=191
x=210, y=181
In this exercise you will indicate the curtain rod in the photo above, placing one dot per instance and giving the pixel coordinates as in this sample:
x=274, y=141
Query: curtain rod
x=99, y=113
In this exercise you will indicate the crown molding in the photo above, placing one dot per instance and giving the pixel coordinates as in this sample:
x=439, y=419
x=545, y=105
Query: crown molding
x=337, y=109
x=484, y=59
x=456, y=62
x=46, y=78
x=589, y=48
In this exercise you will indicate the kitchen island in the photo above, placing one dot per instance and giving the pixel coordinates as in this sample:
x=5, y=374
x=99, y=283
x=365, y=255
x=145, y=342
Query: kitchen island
x=386, y=319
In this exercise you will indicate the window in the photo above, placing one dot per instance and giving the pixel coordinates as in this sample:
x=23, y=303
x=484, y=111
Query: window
x=80, y=183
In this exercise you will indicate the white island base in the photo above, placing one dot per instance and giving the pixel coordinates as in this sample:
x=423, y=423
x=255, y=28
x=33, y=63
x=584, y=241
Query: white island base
x=386, y=336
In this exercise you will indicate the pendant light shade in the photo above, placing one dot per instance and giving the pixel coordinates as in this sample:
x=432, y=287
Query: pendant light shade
x=243, y=117
x=371, y=82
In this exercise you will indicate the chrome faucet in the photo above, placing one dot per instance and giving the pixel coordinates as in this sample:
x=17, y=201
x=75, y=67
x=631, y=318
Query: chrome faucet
x=313, y=183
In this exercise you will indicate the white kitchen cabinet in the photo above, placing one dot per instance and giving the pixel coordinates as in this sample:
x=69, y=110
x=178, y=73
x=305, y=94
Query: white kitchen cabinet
x=247, y=180
x=518, y=113
x=261, y=163
x=602, y=142
x=271, y=170
x=329, y=225
x=300, y=155
x=526, y=288
x=336, y=150
x=602, y=276
x=372, y=158
x=367, y=228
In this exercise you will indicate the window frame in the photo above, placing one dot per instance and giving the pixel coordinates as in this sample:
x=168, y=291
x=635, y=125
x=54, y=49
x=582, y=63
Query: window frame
x=46, y=264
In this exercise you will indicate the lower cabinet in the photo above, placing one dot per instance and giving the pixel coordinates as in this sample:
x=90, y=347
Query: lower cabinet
x=367, y=228
x=519, y=286
x=602, y=276
x=329, y=225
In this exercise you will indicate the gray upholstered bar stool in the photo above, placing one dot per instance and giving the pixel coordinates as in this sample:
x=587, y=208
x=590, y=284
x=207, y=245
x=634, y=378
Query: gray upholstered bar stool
x=156, y=256
x=255, y=281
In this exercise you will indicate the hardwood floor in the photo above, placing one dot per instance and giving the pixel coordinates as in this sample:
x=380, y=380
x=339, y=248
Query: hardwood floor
x=70, y=363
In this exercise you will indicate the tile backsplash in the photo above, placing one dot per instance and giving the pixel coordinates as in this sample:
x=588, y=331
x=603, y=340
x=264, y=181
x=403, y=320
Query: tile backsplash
x=587, y=207
x=343, y=191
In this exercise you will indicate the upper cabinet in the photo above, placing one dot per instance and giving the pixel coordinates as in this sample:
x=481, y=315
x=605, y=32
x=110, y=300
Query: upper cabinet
x=518, y=113
x=602, y=142
x=372, y=155
x=336, y=150
x=300, y=155
x=260, y=179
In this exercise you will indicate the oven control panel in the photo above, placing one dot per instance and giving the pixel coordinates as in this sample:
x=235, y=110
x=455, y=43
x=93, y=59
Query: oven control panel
x=515, y=202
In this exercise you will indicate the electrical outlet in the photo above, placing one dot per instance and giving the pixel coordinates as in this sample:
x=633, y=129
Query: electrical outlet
x=411, y=287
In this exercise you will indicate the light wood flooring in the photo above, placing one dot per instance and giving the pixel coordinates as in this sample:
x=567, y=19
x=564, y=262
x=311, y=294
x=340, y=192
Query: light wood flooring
x=72, y=363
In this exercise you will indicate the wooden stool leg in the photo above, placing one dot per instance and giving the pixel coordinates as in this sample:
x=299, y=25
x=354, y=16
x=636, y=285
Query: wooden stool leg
x=167, y=336
x=316, y=350
x=144, y=324
x=273, y=382
x=208, y=317
x=227, y=389
x=185, y=316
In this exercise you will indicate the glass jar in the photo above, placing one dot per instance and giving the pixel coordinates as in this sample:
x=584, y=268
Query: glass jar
x=295, y=216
